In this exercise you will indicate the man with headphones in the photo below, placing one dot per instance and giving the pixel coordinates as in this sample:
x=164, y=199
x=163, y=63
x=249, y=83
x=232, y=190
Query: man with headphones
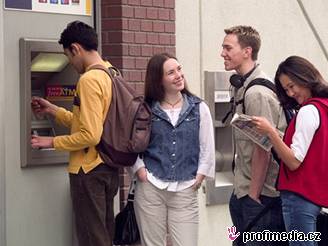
x=255, y=171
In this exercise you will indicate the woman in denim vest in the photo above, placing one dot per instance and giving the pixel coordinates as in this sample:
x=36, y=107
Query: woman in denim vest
x=303, y=171
x=179, y=156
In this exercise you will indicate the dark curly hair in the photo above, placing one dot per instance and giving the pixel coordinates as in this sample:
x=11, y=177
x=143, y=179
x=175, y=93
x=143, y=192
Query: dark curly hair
x=303, y=73
x=81, y=33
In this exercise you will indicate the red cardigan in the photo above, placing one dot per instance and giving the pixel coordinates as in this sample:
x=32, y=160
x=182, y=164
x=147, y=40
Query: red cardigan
x=310, y=180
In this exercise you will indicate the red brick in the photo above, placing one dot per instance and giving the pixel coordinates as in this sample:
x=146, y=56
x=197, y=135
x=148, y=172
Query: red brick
x=114, y=2
x=104, y=38
x=173, y=40
x=144, y=73
x=146, y=2
x=115, y=49
x=140, y=38
x=146, y=51
x=152, y=13
x=159, y=49
x=172, y=14
x=112, y=24
x=141, y=63
x=114, y=37
x=127, y=37
x=152, y=38
x=140, y=87
x=134, y=2
x=158, y=26
x=119, y=49
x=170, y=27
x=125, y=74
x=128, y=62
x=158, y=3
x=135, y=76
x=134, y=50
x=146, y=26
x=116, y=61
x=164, y=14
x=113, y=11
x=140, y=13
x=127, y=11
x=164, y=39
x=170, y=50
x=134, y=25
x=169, y=4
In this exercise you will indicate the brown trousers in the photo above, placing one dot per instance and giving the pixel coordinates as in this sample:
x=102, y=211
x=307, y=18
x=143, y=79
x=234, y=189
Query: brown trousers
x=93, y=200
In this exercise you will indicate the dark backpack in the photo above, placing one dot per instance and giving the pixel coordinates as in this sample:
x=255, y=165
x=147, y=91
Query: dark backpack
x=289, y=113
x=126, y=130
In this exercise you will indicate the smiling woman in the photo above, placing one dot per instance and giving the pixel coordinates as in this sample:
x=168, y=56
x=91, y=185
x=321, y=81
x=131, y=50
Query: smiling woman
x=179, y=156
x=303, y=170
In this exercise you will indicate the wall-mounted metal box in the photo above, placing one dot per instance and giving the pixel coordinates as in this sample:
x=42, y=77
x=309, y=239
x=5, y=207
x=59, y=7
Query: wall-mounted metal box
x=45, y=72
x=217, y=96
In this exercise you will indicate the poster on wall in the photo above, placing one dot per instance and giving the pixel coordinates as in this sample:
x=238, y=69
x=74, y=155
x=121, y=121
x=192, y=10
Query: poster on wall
x=75, y=7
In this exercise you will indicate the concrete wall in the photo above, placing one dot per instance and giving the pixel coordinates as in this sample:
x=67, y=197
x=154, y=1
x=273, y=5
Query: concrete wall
x=286, y=27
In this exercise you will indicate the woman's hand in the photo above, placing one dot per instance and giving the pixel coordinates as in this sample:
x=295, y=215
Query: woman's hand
x=142, y=174
x=198, y=182
x=263, y=125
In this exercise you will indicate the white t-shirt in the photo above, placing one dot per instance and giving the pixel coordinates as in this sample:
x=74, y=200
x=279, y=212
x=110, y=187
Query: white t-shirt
x=307, y=122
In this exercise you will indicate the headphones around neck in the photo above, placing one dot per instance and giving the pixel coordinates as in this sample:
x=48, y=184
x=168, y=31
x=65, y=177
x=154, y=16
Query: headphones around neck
x=237, y=80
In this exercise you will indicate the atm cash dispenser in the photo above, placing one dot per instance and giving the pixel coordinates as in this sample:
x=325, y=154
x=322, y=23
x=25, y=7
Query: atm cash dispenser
x=217, y=96
x=44, y=72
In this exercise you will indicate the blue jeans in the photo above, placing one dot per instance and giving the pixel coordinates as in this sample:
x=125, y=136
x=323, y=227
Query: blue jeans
x=245, y=209
x=299, y=214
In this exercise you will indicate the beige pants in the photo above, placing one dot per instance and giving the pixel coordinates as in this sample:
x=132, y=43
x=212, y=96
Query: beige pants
x=160, y=210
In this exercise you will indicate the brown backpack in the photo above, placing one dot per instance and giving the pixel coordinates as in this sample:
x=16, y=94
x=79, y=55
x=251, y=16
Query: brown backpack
x=127, y=126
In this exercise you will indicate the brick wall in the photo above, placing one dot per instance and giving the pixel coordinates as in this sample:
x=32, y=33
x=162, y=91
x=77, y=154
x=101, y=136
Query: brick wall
x=132, y=31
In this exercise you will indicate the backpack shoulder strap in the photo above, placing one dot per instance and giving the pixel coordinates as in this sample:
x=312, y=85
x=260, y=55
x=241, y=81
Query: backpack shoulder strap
x=111, y=71
x=259, y=81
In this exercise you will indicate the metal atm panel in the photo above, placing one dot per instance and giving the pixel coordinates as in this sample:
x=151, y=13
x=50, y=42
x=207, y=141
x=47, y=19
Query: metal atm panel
x=44, y=72
x=217, y=96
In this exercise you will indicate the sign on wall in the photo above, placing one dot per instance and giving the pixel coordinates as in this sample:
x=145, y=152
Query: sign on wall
x=76, y=7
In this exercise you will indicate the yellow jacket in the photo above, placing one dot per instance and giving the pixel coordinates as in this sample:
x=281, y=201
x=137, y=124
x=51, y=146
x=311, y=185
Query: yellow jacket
x=94, y=89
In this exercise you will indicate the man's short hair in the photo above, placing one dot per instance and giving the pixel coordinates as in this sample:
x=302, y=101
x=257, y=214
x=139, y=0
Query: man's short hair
x=247, y=37
x=81, y=33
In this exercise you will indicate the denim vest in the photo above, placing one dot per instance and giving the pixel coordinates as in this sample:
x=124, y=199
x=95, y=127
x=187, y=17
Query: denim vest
x=173, y=151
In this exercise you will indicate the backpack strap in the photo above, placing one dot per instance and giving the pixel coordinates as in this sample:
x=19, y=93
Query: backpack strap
x=289, y=113
x=258, y=81
x=111, y=71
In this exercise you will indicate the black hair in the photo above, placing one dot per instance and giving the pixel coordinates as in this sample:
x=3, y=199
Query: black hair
x=81, y=33
x=303, y=73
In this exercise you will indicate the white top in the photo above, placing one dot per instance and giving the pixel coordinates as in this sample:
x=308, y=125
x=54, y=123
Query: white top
x=307, y=122
x=206, y=163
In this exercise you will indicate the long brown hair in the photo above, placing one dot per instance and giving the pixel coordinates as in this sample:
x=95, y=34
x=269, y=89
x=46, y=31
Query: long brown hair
x=154, y=89
x=303, y=73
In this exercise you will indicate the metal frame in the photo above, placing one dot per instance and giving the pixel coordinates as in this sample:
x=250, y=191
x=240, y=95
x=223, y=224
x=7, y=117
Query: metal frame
x=218, y=191
x=30, y=157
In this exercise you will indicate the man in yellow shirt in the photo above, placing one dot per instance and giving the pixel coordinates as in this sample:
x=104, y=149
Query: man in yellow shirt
x=93, y=184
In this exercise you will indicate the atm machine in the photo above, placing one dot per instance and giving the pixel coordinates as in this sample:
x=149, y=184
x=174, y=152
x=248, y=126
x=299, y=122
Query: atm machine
x=45, y=72
x=218, y=97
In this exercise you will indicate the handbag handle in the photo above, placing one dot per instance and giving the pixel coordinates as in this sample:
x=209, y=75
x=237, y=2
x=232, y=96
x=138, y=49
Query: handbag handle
x=131, y=190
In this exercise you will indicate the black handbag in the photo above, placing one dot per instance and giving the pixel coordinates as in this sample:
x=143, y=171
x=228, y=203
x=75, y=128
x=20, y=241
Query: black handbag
x=322, y=227
x=126, y=227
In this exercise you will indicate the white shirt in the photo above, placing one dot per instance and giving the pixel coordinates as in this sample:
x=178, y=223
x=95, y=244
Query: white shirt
x=307, y=122
x=206, y=163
